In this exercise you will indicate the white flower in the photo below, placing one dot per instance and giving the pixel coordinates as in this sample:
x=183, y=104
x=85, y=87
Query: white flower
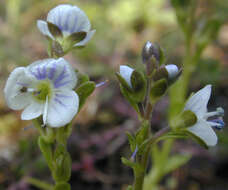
x=126, y=73
x=69, y=19
x=203, y=128
x=172, y=70
x=44, y=88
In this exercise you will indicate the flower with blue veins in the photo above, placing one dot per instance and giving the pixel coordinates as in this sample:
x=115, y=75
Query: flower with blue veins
x=68, y=25
x=203, y=127
x=44, y=88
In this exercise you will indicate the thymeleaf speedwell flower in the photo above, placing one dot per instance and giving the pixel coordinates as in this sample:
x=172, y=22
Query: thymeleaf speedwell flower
x=126, y=73
x=203, y=128
x=44, y=88
x=68, y=25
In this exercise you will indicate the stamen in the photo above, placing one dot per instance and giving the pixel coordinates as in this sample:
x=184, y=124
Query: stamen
x=134, y=153
x=101, y=83
x=217, y=123
x=219, y=112
x=45, y=112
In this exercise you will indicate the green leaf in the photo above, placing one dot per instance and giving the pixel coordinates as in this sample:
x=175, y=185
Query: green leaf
x=136, y=166
x=82, y=78
x=54, y=30
x=46, y=149
x=158, y=90
x=62, y=186
x=62, y=169
x=175, y=162
x=138, y=82
x=128, y=96
x=127, y=162
x=84, y=91
x=39, y=184
x=132, y=141
x=142, y=133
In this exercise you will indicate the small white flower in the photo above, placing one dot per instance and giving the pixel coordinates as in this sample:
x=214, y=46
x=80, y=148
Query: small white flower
x=172, y=70
x=126, y=73
x=44, y=88
x=69, y=19
x=203, y=128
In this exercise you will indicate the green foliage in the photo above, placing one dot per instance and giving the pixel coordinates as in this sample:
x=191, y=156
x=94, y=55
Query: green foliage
x=84, y=91
x=62, y=186
x=158, y=89
x=46, y=149
x=62, y=165
x=138, y=82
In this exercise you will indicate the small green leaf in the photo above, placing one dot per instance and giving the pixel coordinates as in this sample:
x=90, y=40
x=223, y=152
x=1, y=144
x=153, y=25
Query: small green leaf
x=138, y=82
x=142, y=133
x=132, y=141
x=46, y=149
x=84, y=91
x=82, y=78
x=62, y=186
x=55, y=31
x=175, y=162
x=128, y=96
x=160, y=73
x=158, y=90
x=127, y=162
x=62, y=169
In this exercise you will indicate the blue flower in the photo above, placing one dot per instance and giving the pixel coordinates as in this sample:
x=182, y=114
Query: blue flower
x=69, y=20
x=44, y=88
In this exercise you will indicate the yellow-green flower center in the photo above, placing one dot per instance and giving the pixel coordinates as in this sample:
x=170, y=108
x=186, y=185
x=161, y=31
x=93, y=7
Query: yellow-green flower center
x=43, y=90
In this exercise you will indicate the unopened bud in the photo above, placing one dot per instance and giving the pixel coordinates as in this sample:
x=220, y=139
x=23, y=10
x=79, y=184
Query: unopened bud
x=150, y=50
x=172, y=70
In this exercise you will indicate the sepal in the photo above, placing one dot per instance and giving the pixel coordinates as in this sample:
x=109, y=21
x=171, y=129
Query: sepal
x=158, y=89
x=84, y=91
x=138, y=82
x=186, y=119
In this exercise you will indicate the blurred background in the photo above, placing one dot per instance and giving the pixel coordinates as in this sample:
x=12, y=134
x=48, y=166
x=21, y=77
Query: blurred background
x=98, y=140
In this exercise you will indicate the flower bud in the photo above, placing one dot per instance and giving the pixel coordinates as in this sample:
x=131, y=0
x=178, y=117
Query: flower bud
x=150, y=50
x=168, y=72
x=126, y=73
x=172, y=71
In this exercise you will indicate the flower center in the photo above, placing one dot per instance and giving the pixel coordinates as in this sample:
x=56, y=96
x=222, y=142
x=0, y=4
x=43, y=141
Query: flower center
x=43, y=90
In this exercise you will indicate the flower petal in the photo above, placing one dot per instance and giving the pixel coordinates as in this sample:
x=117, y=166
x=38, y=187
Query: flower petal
x=63, y=107
x=69, y=19
x=43, y=28
x=34, y=110
x=58, y=71
x=198, y=102
x=203, y=130
x=86, y=39
x=126, y=72
x=15, y=97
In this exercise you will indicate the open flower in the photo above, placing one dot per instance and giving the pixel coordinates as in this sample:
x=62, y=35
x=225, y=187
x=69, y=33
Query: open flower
x=203, y=128
x=44, y=88
x=67, y=20
x=126, y=73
